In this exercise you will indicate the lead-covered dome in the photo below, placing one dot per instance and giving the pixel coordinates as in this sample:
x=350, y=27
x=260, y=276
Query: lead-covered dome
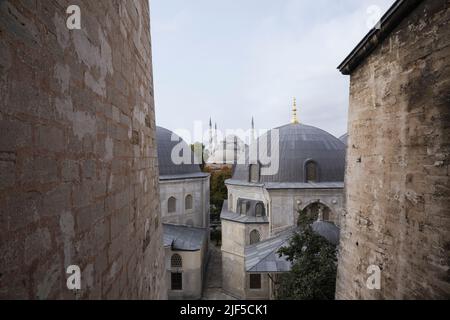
x=166, y=142
x=306, y=154
x=227, y=151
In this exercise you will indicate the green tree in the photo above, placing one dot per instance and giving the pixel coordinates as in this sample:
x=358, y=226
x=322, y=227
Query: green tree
x=200, y=152
x=313, y=273
x=218, y=189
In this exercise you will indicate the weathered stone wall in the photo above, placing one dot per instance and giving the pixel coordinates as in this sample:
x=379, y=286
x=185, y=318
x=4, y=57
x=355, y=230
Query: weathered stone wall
x=198, y=188
x=192, y=274
x=286, y=204
x=398, y=192
x=282, y=208
x=233, y=264
x=78, y=167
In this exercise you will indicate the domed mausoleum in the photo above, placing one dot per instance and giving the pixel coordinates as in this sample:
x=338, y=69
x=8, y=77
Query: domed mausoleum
x=184, y=197
x=305, y=174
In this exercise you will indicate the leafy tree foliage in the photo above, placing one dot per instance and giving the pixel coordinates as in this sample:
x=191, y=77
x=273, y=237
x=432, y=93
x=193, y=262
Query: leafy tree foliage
x=218, y=190
x=313, y=273
x=200, y=152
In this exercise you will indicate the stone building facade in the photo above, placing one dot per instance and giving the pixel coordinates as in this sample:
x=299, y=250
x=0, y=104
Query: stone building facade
x=398, y=159
x=78, y=162
x=184, y=197
x=262, y=210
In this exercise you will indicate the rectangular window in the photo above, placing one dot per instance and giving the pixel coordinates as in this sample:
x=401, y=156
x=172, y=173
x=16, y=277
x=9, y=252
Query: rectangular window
x=255, y=281
x=177, y=281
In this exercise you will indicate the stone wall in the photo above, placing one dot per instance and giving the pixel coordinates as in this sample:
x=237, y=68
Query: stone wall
x=78, y=167
x=198, y=188
x=397, y=180
x=286, y=204
x=192, y=274
x=233, y=264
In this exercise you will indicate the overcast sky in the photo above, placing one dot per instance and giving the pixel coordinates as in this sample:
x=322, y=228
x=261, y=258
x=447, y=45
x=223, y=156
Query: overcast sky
x=234, y=59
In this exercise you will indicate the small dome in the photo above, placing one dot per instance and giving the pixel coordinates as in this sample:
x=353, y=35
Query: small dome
x=300, y=144
x=165, y=146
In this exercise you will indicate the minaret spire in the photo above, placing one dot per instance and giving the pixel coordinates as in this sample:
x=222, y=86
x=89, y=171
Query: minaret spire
x=253, y=129
x=294, y=119
x=215, y=136
x=210, y=147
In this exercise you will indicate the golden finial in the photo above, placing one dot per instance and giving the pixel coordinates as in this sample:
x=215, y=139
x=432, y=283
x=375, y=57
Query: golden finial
x=294, y=112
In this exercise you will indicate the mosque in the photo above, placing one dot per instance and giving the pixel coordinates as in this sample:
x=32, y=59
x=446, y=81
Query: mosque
x=262, y=210
x=227, y=152
x=184, y=198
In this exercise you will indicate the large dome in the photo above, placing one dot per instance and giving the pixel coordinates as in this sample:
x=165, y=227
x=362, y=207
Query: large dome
x=165, y=146
x=300, y=144
x=227, y=151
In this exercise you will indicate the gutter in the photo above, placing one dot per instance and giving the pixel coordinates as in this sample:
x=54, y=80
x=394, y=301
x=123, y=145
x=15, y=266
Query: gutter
x=391, y=19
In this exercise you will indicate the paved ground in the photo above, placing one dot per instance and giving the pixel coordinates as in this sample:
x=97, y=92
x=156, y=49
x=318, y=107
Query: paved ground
x=213, y=285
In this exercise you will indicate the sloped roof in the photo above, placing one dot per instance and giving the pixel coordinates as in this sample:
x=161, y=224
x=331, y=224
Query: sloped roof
x=236, y=217
x=184, y=238
x=264, y=257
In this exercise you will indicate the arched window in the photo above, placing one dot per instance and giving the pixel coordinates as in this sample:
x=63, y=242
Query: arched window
x=188, y=202
x=311, y=171
x=316, y=211
x=176, y=261
x=254, y=173
x=259, y=210
x=230, y=202
x=172, y=205
x=255, y=237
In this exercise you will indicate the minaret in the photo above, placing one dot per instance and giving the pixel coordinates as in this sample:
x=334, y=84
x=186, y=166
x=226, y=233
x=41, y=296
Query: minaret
x=215, y=136
x=294, y=119
x=253, y=130
x=210, y=147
